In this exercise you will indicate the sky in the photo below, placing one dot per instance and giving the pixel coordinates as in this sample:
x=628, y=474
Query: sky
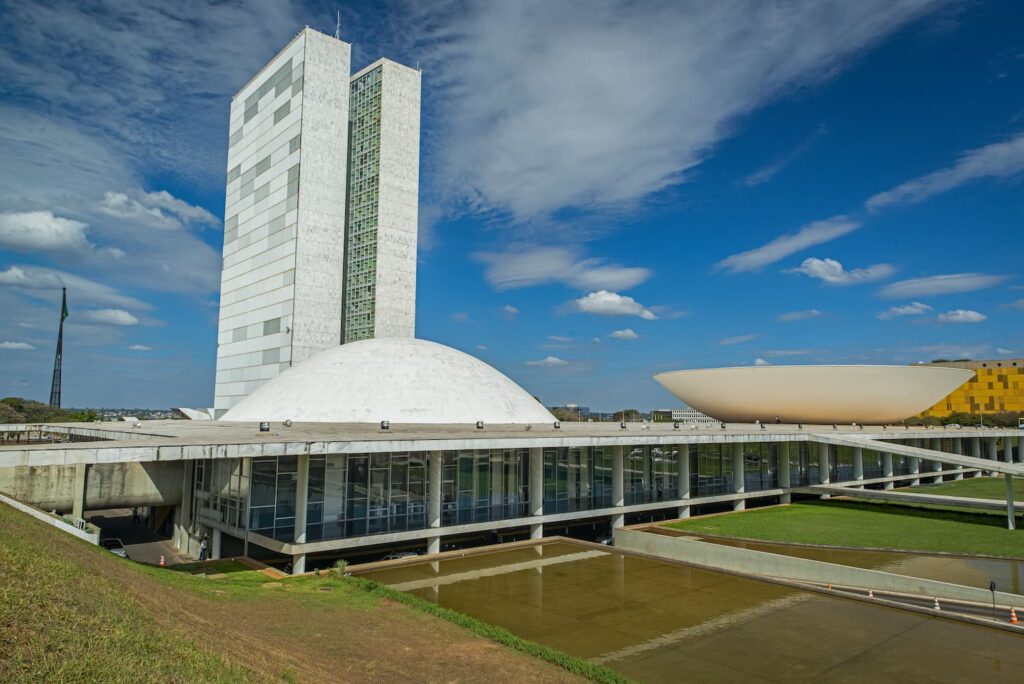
x=608, y=190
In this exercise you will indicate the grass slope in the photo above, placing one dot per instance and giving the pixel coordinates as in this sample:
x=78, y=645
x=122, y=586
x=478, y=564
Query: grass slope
x=71, y=612
x=975, y=488
x=868, y=525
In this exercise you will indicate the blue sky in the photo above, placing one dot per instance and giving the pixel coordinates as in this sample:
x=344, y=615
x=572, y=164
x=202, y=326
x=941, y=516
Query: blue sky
x=608, y=190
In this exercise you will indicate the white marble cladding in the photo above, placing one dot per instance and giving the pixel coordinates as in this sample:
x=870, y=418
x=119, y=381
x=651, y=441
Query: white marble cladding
x=281, y=278
x=397, y=211
x=320, y=254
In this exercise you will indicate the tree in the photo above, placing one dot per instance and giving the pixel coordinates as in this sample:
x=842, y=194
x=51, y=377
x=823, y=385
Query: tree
x=626, y=415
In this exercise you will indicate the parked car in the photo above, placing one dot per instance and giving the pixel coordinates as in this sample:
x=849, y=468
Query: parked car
x=114, y=546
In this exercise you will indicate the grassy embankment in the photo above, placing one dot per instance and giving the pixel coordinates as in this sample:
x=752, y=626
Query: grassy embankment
x=974, y=487
x=868, y=525
x=71, y=612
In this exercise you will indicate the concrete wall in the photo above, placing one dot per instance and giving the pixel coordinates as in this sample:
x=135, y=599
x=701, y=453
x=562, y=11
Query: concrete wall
x=108, y=485
x=91, y=535
x=798, y=569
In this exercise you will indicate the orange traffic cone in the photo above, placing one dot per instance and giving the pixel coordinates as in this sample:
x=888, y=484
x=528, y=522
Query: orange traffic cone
x=162, y=561
x=937, y=606
x=1013, y=616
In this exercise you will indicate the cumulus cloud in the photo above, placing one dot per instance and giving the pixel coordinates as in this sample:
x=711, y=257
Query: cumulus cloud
x=41, y=231
x=761, y=362
x=159, y=210
x=940, y=285
x=998, y=160
x=509, y=311
x=738, y=339
x=832, y=272
x=912, y=309
x=644, y=91
x=791, y=316
x=624, y=334
x=548, y=362
x=814, y=233
x=16, y=346
x=536, y=265
x=961, y=316
x=109, y=317
x=140, y=348
x=604, y=303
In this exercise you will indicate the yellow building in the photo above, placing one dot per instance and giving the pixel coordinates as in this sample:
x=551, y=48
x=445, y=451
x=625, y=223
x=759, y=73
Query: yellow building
x=997, y=386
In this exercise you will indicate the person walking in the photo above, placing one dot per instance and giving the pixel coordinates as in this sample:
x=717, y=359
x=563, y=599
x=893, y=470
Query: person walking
x=202, y=549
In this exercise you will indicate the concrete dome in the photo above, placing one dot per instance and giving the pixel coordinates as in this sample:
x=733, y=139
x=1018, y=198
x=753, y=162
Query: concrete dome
x=402, y=380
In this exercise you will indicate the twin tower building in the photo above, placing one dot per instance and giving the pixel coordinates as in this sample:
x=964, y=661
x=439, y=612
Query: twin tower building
x=321, y=211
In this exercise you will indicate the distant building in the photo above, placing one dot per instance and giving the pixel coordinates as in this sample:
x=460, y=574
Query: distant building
x=997, y=386
x=682, y=415
x=320, y=213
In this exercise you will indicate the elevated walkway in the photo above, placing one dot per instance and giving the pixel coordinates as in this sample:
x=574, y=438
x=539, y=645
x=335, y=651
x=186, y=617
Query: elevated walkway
x=909, y=497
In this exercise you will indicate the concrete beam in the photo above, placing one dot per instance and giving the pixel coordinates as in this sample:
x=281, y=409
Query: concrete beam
x=909, y=497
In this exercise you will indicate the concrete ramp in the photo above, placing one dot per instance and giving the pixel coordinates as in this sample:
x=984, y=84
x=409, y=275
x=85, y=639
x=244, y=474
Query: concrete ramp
x=909, y=497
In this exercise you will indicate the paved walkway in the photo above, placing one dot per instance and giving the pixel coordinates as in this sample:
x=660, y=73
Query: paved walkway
x=140, y=543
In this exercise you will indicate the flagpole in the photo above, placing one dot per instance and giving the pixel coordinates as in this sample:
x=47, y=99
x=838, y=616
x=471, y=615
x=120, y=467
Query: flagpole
x=55, y=385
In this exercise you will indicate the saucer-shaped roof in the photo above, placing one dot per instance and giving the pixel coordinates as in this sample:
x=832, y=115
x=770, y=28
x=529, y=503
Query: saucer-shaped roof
x=814, y=394
x=401, y=380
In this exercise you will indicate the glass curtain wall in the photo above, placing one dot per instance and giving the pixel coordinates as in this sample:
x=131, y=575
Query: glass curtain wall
x=221, y=486
x=484, y=485
x=710, y=469
x=760, y=466
x=577, y=479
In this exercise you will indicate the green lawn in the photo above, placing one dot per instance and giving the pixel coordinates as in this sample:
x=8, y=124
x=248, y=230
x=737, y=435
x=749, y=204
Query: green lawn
x=974, y=487
x=868, y=525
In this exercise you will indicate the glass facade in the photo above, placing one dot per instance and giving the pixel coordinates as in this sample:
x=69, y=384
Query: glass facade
x=577, y=479
x=483, y=485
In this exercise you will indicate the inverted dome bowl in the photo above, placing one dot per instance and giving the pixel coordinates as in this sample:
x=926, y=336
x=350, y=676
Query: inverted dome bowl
x=401, y=380
x=814, y=394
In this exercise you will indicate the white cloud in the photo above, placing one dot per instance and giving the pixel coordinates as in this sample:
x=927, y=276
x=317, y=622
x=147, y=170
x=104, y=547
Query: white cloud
x=738, y=339
x=510, y=311
x=961, y=316
x=912, y=309
x=548, y=362
x=460, y=317
x=803, y=315
x=761, y=362
x=643, y=91
x=1019, y=304
x=140, y=348
x=185, y=211
x=31, y=231
x=832, y=272
x=539, y=265
x=604, y=303
x=814, y=233
x=159, y=210
x=560, y=339
x=1001, y=350
x=624, y=334
x=16, y=346
x=940, y=285
x=109, y=317
x=45, y=283
x=999, y=160
x=767, y=173
x=481, y=347
x=789, y=352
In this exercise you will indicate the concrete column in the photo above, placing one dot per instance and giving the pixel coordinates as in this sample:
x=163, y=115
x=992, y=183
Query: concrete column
x=78, y=504
x=958, y=449
x=618, y=485
x=976, y=452
x=434, y=489
x=185, y=543
x=739, y=485
x=1007, y=450
x=914, y=464
x=784, y=475
x=301, y=502
x=434, y=545
x=858, y=465
x=684, y=479
x=536, y=481
x=993, y=453
x=214, y=544
x=824, y=477
x=887, y=468
x=537, y=530
x=936, y=445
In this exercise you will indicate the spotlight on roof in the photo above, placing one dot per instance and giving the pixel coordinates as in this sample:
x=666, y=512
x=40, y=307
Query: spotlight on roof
x=722, y=426
x=834, y=426
x=385, y=425
x=675, y=425
x=558, y=425
x=622, y=425
x=762, y=426
x=264, y=426
x=479, y=425
x=288, y=422
x=883, y=427
x=799, y=426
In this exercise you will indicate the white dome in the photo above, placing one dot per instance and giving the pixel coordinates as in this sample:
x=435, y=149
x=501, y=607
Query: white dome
x=401, y=380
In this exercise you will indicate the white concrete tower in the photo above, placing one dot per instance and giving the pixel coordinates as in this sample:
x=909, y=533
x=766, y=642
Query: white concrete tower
x=383, y=198
x=281, y=284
